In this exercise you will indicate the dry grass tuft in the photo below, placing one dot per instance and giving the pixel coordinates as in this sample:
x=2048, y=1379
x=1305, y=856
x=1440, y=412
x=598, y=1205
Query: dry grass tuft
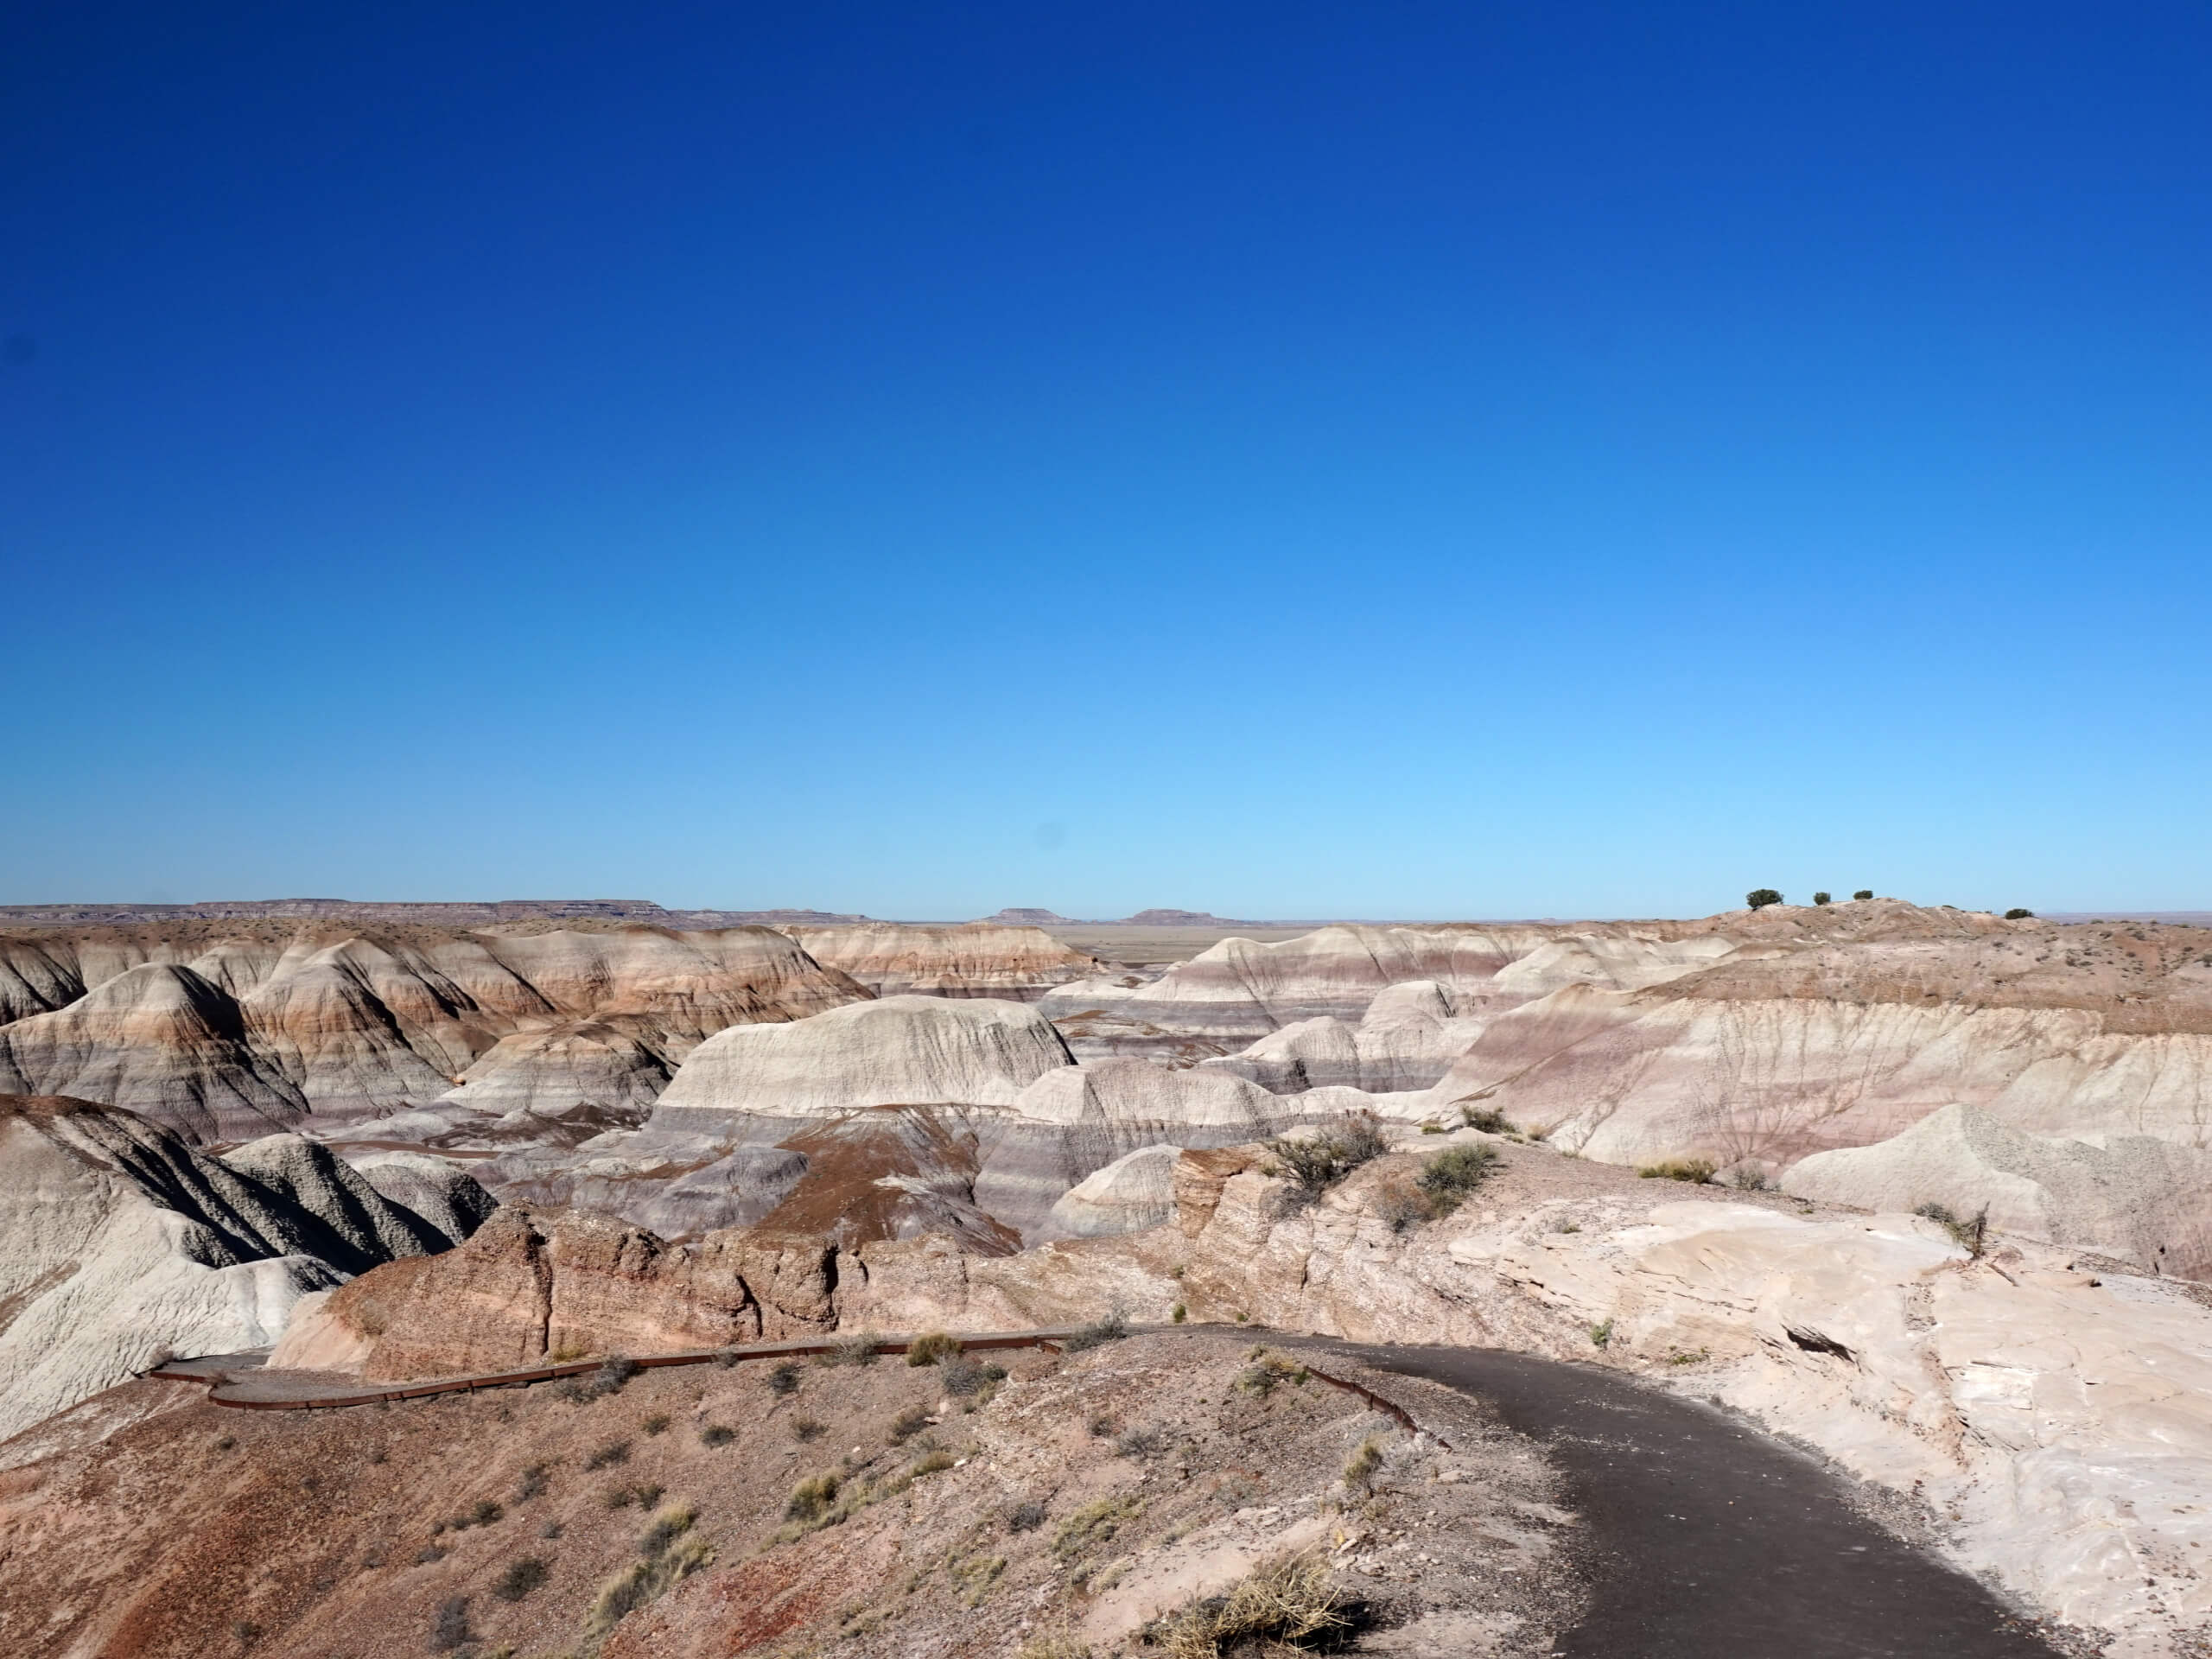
x=1693, y=1170
x=930, y=1347
x=1289, y=1603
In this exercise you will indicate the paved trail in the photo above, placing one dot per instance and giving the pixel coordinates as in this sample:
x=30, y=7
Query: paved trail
x=1711, y=1540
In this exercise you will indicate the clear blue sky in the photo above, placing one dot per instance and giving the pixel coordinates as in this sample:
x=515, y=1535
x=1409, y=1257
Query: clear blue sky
x=1286, y=459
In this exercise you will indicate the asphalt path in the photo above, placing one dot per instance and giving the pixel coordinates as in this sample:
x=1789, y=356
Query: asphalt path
x=1711, y=1540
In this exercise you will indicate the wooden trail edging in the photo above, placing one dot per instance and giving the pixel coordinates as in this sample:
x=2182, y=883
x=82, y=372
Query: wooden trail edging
x=1051, y=1340
x=883, y=1344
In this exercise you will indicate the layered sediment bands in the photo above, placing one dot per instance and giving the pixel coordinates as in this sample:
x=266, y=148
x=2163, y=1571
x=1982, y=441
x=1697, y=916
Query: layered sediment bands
x=973, y=959
x=226, y=1038
x=901, y=1051
x=536, y=1284
x=1636, y=1077
x=157, y=1038
x=1406, y=1039
x=1239, y=992
x=121, y=1246
x=2132, y=1198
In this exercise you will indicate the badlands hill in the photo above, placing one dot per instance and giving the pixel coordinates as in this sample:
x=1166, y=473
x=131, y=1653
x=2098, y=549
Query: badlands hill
x=126, y=1247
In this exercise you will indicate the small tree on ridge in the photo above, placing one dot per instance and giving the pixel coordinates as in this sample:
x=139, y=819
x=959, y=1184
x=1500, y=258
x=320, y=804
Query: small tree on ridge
x=1760, y=898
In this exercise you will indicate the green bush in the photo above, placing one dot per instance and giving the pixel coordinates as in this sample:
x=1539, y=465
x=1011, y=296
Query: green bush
x=2016, y=914
x=930, y=1347
x=1098, y=1334
x=1821, y=898
x=1864, y=893
x=1318, y=1162
x=1679, y=1169
x=1488, y=1119
x=1760, y=898
x=1446, y=1179
x=811, y=1496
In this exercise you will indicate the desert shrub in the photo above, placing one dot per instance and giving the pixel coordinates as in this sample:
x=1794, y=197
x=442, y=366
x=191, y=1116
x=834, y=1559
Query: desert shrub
x=1365, y=1460
x=1140, y=1444
x=811, y=1496
x=2017, y=914
x=1601, y=1334
x=551, y=1530
x=1025, y=1517
x=1749, y=1178
x=1104, y=1425
x=930, y=1463
x=1488, y=1119
x=521, y=1577
x=482, y=1513
x=1178, y=1313
x=1097, y=1333
x=1318, y=1162
x=909, y=1423
x=1864, y=893
x=784, y=1379
x=430, y=1552
x=1287, y=1603
x=962, y=1376
x=622, y=1497
x=1972, y=1231
x=1823, y=898
x=805, y=1429
x=642, y=1581
x=1401, y=1206
x=449, y=1626
x=671, y=1524
x=606, y=1456
x=716, y=1435
x=1446, y=1179
x=532, y=1483
x=609, y=1378
x=858, y=1350
x=930, y=1347
x=656, y=1424
x=1093, y=1524
x=1054, y=1644
x=1266, y=1371
x=1678, y=1169
x=1760, y=898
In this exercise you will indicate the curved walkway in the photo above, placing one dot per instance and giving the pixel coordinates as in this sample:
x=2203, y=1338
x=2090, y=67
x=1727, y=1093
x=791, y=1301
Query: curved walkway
x=1710, y=1539
x=1706, y=1538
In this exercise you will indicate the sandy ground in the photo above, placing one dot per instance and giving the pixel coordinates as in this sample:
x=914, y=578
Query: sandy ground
x=149, y=1522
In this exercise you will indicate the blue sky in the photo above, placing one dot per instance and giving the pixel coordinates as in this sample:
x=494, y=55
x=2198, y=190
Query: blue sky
x=1394, y=460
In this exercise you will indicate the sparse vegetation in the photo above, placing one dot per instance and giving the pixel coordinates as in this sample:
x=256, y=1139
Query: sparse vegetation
x=610, y=1377
x=784, y=1379
x=1760, y=898
x=649, y=1576
x=606, y=1456
x=1446, y=1179
x=1025, y=1517
x=668, y=1526
x=1972, y=1232
x=851, y=1350
x=449, y=1627
x=909, y=1423
x=1098, y=1333
x=656, y=1424
x=1864, y=893
x=1601, y=1334
x=1318, y=1162
x=521, y=1577
x=1267, y=1371
x=1177, y=1315
x=811, y=1496
x=1055, y=1644
x=930, y=1347
x=2017, y=914
x=1094, y=1524
x=1140, y=1444
x=803, y=1429
x=1360, y=1467
x=532, y=1483
x=1678, y=1169
x=1401, y=1205
x=622, y=1497
x=1287, y=1603
x=716, y=1435
x=963, y=1378
x=1823, y=898
x=1488, y=1119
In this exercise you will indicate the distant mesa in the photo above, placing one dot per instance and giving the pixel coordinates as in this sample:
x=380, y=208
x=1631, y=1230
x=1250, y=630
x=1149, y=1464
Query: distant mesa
x=1182, y=918
x=1029, y=917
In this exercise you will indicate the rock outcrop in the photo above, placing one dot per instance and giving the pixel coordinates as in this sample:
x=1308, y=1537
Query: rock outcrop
x=899, y=1050
x=2132, y=1198
x=989, y=958
x=120, y=1246
x=1135, y=1191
